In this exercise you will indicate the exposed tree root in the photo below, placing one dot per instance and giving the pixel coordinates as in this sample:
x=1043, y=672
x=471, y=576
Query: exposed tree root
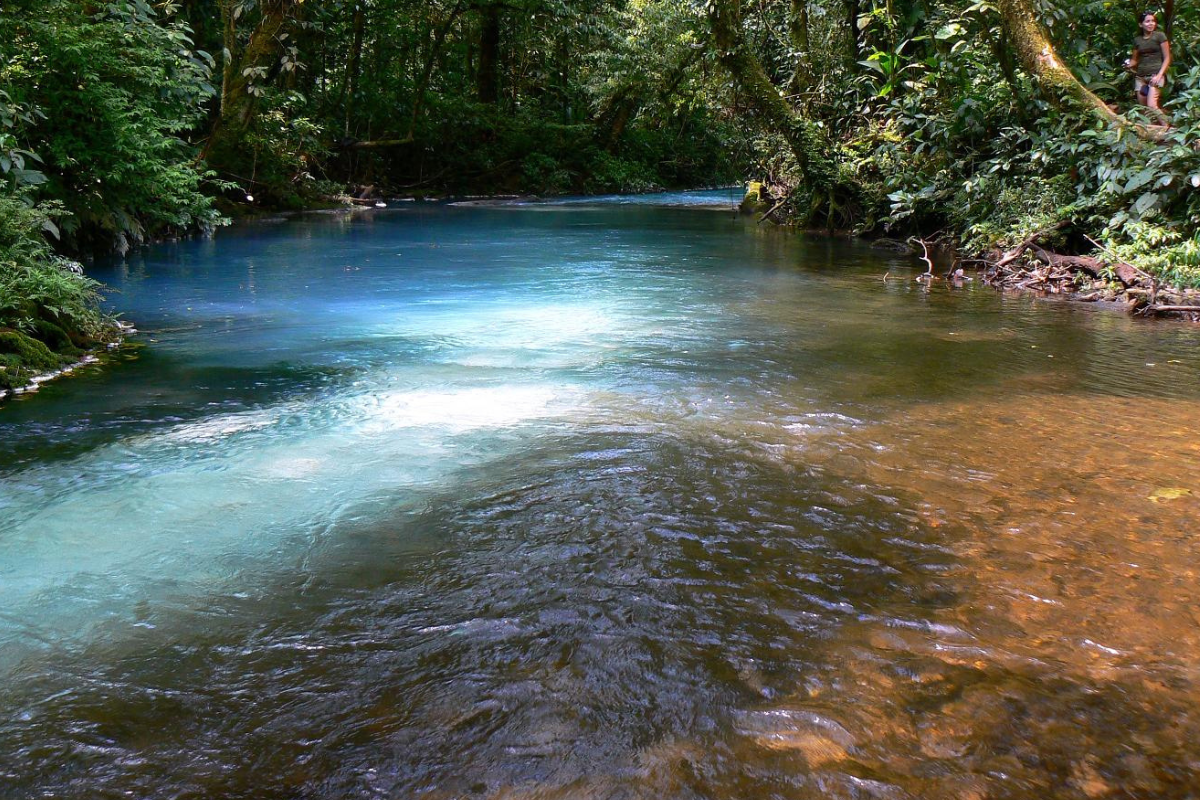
x=1031, y=267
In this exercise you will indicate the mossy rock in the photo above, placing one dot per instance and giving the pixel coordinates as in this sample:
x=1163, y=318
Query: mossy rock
x=10, y=371
x=756, y=198
x=22, y=357
x=56, y=339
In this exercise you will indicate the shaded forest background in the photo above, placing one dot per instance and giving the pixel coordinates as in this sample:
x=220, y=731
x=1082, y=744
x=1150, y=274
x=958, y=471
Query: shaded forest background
x=981, y=122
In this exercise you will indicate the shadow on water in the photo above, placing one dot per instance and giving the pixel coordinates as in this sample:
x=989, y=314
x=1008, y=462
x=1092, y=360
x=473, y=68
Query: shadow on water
x=154, y=393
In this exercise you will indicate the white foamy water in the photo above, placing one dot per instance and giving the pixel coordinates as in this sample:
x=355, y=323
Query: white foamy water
x=210, y=505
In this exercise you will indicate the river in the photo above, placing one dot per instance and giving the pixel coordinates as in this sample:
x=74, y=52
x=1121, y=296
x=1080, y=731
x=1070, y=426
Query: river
x=619, y=498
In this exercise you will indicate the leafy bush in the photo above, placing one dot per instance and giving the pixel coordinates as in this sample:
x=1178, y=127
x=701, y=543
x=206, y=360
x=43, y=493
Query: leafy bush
x=543, y=174
x=609, y=173
x=48, y=308
x=102, y=96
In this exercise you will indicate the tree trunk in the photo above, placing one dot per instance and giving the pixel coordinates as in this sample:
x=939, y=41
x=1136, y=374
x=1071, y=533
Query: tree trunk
x=615, y=116
x=489, y=56
x=439, y=39
x=805, y=139
x=229, y=40
x=798, y=32
x=1037, y=56
x=852, y=14
x=237, y=97
x=353, y=66
x=622, y=106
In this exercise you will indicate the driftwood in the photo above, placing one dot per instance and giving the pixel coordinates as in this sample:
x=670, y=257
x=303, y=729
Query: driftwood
x=1015, y=253
x=1047, y=271
x=1061, y=268
x=1127, y=274
x=775, y=207
x=1164, y=309
x=925, y=257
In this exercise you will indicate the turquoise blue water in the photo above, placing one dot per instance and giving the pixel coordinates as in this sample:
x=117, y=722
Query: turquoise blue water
x=545, y=499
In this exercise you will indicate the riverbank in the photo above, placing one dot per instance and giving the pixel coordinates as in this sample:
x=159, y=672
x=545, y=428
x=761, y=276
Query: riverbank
x=18, y=377
x=1139, y=294
x=1031, y=267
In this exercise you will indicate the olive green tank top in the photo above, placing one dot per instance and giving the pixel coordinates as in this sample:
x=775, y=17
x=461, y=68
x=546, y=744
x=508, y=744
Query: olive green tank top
x=1150, y=55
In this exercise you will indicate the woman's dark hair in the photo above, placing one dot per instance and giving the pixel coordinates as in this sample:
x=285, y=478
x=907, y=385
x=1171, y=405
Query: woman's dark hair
x=1142, y=16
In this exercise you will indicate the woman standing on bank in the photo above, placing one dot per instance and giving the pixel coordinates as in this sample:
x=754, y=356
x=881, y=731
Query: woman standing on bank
x=1150, y=60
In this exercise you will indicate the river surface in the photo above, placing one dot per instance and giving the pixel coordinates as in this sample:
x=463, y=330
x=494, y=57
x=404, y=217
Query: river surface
x=598, y=500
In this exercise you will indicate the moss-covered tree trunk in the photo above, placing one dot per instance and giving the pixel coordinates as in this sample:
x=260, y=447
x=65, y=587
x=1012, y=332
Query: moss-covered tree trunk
x=625, y=103
x=249, y=67
x=813, y=153
x=798, y=33
x=229, y=39
x=1037, y=56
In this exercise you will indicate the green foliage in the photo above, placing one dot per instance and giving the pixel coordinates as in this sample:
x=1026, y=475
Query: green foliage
x=48, y=309
x=35, y=284
x=594, y=95
x=1167, y=253
x=102, y=93
x=609, y=173
x=542, y=174
x=14, y=160
x=940, y=129
x=1000, y=211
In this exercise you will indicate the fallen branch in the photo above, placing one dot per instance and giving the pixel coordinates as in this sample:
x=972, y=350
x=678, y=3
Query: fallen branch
x=424, y=181
x=1016, y=252
x=774, y=208
x=1181, y=309
x=376, y=144
x=1127, y=274
x=1120, y=263
x=928, y=274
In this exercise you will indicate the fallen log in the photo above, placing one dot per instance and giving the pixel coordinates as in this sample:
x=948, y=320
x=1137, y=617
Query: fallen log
x=1012, y=255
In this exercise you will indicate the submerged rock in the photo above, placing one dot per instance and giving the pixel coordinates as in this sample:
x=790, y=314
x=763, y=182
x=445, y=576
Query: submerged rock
x=820, y=739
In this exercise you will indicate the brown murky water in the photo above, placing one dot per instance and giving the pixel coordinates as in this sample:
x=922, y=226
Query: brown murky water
x=1062, y=657
x=580, y=505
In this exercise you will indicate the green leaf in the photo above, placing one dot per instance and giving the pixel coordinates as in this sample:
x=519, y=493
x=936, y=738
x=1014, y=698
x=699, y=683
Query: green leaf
x=1140, y=179
x=949, y=31
x=1145, y=202
x=29, y=177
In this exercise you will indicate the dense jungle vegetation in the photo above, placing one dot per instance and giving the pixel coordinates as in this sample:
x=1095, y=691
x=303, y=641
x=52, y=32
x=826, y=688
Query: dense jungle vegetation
x=983, y=122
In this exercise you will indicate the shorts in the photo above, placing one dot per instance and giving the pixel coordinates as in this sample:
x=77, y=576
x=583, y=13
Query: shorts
x=1143, y=86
